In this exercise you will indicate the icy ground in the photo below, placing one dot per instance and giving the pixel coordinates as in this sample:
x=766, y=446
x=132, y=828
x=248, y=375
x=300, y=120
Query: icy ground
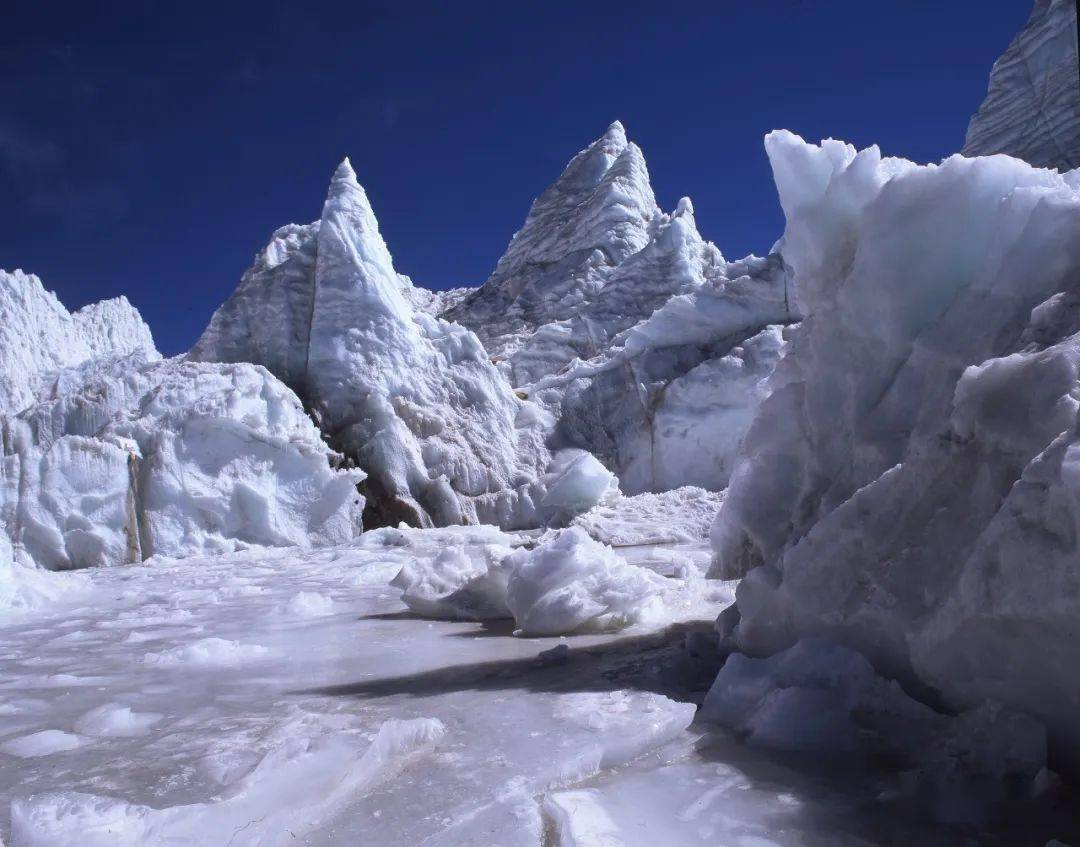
x=289, y=697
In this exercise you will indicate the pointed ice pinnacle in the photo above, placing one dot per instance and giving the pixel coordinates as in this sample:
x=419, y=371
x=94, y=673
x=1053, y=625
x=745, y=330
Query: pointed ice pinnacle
x=413, y=400
x=597, y=213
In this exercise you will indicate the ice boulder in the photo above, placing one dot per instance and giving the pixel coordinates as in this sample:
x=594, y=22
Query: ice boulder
x=567, y=584
x=134, y=456
x=459, y=582
x=907, y=486
x=39, y=337
x=574, y=584
x=413, y=399
x=1032, y=108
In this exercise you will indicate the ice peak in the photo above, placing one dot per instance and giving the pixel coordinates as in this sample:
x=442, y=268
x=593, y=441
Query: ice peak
x=344, y=172
x=615, y=132
x=346, y=193
x=685, y=207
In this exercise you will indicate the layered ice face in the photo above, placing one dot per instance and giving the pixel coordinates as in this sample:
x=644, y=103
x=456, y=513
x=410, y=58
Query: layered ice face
x=1032, y=108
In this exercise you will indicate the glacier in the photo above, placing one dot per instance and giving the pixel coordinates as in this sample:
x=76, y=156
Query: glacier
x=628, y=328
x=39, y=337
x=596, y=214
x=631, y=544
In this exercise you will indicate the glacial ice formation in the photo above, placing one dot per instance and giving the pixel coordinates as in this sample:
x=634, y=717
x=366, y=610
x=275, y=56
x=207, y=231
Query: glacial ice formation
x=907, y=487
x=122, y=455
x=39, y=337
x=671, y=517
x=646, y=345
x=569, y=583
x=599, y=212
x=826, y=700
x=413, y=399
x=670, y=402
x=1032, y=108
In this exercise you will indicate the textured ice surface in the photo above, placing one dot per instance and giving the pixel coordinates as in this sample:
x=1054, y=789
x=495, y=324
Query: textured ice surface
x=361, y=719
x=598, y=212
x=669, y=415
x=366, y=725
x=907, y=487
x=39, y=337
x=413, y=399
x=679, y=515
x=1032, y=109
x=132, y=456
x=824, y=699
x=568, y=583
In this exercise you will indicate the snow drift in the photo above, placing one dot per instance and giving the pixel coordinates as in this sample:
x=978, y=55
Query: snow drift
x=908, y=486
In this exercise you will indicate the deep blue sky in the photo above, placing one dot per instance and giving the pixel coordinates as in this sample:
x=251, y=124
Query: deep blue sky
x=152, y=152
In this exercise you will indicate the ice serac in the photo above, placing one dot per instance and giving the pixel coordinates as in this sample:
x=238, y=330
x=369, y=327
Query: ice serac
x=596, y=214
x=668, y=403
x=1032, y=108
x=908, y=486
x=133, y=457
x=109, y=454
x=651, y=351
x=39, y=337
x=268, y=318
x=413, y=399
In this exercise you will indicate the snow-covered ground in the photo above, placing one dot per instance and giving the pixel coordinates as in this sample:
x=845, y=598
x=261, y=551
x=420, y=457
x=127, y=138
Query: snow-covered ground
x=289, y=697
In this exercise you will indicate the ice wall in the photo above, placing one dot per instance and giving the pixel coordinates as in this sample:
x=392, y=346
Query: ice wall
x=133, y=457
x=906, y=487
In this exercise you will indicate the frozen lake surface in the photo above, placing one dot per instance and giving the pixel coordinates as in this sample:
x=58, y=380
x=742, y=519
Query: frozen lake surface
x=289, y=697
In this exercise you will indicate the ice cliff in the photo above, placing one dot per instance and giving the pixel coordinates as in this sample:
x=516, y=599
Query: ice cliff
x=113, y=454
x=908, y=486
x=1032, y=108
